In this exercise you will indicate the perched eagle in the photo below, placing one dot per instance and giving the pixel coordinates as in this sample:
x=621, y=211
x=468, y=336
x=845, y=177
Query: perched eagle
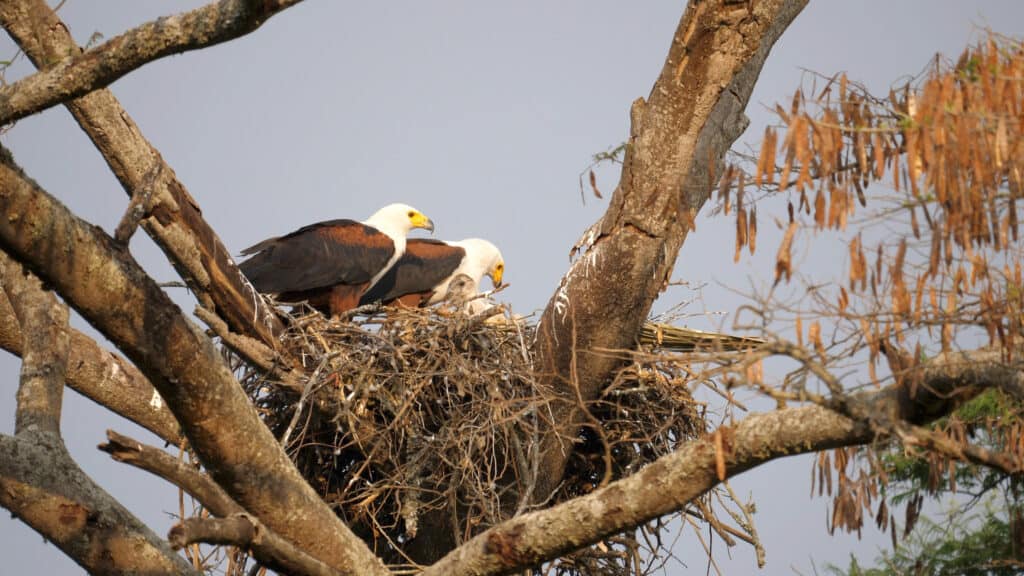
x=331, y=264
x=423, y=274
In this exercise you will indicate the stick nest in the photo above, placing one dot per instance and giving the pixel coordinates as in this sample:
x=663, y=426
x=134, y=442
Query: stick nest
x=419, y=421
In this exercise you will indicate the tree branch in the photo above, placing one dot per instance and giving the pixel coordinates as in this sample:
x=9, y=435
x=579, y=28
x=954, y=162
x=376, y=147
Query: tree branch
x=245, y=532
x=100, y=375
x=156, y=461
x=934, y=441
x=42, y=486
x=45, y=339
x=677, y=144
x=105, y=285
x=101, y=66
x=174, y=221
x=672, y=481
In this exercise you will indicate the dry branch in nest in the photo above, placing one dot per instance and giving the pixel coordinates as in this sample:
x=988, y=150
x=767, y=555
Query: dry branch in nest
x=413, y=411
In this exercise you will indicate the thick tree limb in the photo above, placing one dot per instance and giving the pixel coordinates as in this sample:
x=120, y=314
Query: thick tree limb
x=105, y=285
x=245, y=532
x=45, y=341
x=101, y=66
x=42, y=486
x=676, y=147
x=672, y=481
x=175, y=222
x=156, y=461
x=100, y=375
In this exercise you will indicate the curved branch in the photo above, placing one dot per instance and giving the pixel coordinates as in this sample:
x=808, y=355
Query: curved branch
x=39, y=482
x=236, y=528
x=245, y=532
x=105, y=285
x=101, y=66
x=173, y=218
x=156, y=461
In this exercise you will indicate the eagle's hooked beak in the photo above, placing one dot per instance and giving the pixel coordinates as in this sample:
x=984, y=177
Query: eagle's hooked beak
x=496, y=274
x=421, y=221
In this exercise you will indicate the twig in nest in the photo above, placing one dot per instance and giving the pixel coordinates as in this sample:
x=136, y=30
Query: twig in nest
x=306, y=391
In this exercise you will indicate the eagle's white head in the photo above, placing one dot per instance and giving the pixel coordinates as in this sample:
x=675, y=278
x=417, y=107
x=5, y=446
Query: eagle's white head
x=482, y=258
x=397, y=220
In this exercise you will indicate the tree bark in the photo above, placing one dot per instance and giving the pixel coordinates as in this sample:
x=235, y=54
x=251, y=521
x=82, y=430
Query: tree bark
x=45, y=341
x=103, y=283
x=678, y=140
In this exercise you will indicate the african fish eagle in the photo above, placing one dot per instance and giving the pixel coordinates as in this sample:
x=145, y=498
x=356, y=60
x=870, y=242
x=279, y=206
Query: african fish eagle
x=421, y=277
x=331, y=264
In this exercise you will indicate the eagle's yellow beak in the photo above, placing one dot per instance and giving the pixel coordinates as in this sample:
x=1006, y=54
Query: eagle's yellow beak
x=496, y=273
x=421, y=221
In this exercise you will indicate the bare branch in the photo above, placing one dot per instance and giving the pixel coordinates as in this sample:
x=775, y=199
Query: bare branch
x=45, y=339
x=42, y=486
x=97, y=68
x=182, y=363
x=156, y=461
x=174, y=220
x=102, y=376
x=245, y=532
x=935, y=441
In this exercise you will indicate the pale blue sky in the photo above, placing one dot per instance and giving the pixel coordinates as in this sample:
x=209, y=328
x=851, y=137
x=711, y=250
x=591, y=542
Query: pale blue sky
x=480, y=114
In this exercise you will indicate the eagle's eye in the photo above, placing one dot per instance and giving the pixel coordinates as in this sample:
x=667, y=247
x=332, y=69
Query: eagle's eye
x=411, y=214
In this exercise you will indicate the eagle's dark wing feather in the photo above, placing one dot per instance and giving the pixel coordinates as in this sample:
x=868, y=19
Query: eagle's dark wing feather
x=317, y=256
x=425, y=264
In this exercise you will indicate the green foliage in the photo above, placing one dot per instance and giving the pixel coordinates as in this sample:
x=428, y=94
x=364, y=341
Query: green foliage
x=984, y=419
x=979, y=544
x=982, y=536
